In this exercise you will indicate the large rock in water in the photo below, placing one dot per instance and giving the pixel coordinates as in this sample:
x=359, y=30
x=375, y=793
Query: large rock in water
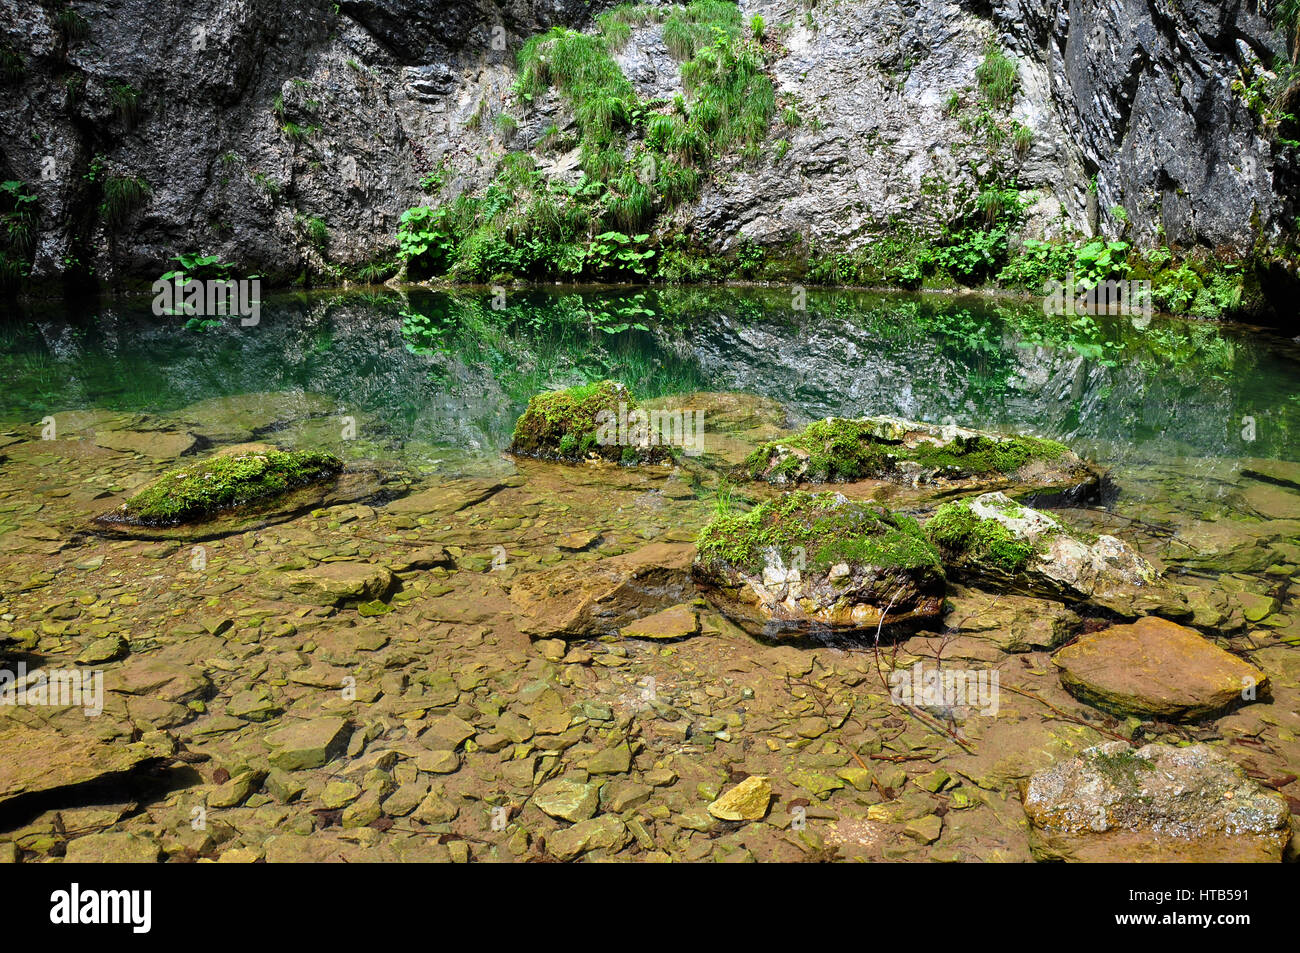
x=596, y=598
x=1156, y=803
x=599, y=420
x=994, y=541
x=1156, y=669
x=248, y=476
x=914, y=454
x=809, y=560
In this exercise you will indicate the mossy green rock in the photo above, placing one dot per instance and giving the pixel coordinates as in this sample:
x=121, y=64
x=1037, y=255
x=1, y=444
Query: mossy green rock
x=819, y=559
x=222, y=482
x=912, y=453
x=584, y=422
x=997, y=543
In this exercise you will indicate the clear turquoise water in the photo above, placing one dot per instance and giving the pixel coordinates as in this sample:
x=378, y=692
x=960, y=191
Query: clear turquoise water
x=1129, y=389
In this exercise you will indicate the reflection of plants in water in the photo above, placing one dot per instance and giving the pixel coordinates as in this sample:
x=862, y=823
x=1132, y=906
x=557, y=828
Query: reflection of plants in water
x=537, y=342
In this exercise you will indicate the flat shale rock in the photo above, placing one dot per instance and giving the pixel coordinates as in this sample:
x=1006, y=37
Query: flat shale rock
x=594, y=598
x=1155, y=668
x=42, y=759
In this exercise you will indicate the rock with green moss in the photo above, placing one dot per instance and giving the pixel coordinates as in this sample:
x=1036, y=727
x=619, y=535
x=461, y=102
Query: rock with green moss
x=994, y=541
x=601, y=420
x=917, y=454
x=223, y=482
x=1155, y=803
x=810, y=561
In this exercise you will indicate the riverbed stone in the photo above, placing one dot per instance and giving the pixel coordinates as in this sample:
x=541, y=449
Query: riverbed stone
x=336, y=582
x=677, y=622
x=308, y=744
x=747, y=801
x=1154, y=668
x=607, y=832
x=1156, y=803
x=568, y=799
x=596, y=598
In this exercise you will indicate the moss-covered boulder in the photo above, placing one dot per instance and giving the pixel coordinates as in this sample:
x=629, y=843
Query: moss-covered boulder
x=222, y=482
x=915, y=454
x=810, y=561
x=599, y=420
x=996, y=542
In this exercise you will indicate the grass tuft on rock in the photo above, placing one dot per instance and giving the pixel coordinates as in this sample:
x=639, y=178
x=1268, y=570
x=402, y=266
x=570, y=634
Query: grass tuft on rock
x=822, y=528
x=198, y=491
x=959, y=533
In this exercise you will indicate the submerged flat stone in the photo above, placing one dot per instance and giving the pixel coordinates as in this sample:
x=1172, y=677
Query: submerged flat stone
x=159, y=444
x=307, y=744
x=1156, y=803
x=677, y=622
x=43, y=759
x=596, y=598
x=331, y=583
x=1155, y=668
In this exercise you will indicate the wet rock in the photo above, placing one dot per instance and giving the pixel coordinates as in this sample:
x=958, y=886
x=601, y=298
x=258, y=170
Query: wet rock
x=333, y=583
x=915, y=454
x=677, y=622
x=607, y=832
x=924, y=830
x=108, y=649
x=308, y=744
x=600, y=420
x=222, y=482
x=113, y=847
x=44, y=759
x=596, y=598
x=820, y=559
x=1272, y=502
x=1156, y=803
x=158, y=444
x=995, y=542
x=567, y=799
x=747, y=801
x=1154, y=668
x=253, y=704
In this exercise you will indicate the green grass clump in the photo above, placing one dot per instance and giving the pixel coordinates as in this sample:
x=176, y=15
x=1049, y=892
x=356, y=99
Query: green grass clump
x=690, y=28
x=960, y=534
x=123, y=194
x=202, y=489
x=825, y=527
x=998, y=76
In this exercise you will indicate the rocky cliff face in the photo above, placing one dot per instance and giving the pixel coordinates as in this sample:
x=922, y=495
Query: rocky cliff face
x=288, y=137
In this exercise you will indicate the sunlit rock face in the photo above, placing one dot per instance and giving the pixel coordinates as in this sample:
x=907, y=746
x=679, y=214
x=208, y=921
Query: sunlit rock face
x=251, y=122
